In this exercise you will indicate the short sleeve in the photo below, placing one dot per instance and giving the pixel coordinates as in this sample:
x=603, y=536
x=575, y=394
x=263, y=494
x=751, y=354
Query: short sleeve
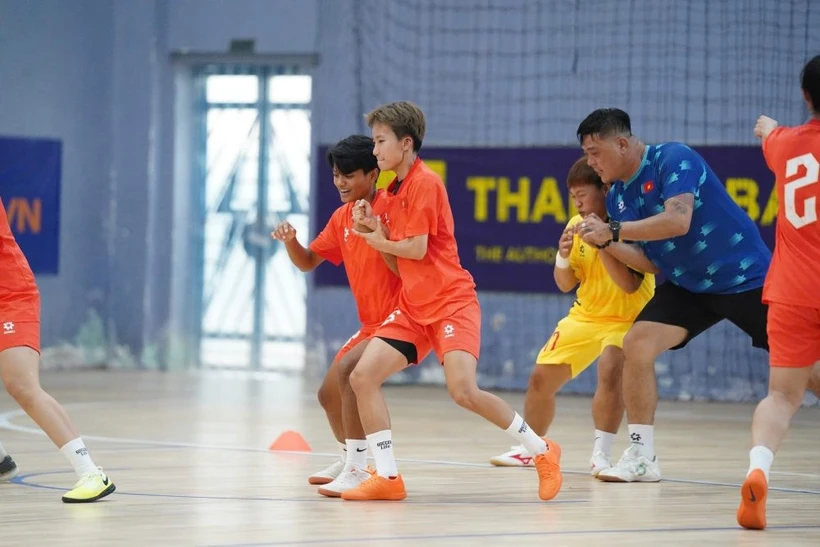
x=327, y=244
x=680, y=170
x=424, y=204
x=770, y=147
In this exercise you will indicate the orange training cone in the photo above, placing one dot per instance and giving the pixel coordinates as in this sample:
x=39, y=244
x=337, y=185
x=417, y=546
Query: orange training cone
x=290, y=441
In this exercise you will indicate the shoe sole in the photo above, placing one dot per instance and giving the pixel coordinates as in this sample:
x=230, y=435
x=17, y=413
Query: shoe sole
x=110, y=490
x=752, y=511
x=10, y=475
x=318, y=481
x=392, y=497
x=499, y=463
x=610, y=478
x=329, y=493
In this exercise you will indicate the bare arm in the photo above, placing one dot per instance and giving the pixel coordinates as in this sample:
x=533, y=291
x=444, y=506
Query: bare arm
x=391, y=262
x=565, y=279
x=674, y=221
x=630, y=255
x=413, y=248
x=628, y=280
x=304, y=259
x=564, y=276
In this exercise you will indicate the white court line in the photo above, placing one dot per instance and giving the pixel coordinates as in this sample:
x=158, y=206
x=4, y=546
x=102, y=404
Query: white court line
x=6, y=423
x=787, y=473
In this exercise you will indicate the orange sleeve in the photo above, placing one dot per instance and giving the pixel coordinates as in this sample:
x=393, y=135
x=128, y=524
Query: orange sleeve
x=424, y=203
x=327, y=244
x=770, y=147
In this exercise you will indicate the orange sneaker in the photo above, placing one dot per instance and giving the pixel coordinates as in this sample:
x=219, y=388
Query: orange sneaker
x=752, y=511
x=377, y=488
x=548, y=466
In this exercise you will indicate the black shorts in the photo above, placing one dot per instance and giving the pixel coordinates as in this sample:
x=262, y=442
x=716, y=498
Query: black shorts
x=696, y=312
x=407, y=349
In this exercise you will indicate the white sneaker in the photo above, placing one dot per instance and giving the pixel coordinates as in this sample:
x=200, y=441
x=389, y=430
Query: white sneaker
x=345, y=481
x=633, y=467
x=328, y=475
x=517, y=457
x=598, y=462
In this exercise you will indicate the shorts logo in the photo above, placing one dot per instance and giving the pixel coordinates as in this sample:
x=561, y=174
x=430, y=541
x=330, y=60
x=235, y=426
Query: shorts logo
x=8, y=327
x=449, y=331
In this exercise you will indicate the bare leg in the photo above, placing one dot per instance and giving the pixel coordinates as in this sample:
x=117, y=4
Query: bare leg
x=539, y=405
x=607, y=404
x=330, y=398
x=20, y=372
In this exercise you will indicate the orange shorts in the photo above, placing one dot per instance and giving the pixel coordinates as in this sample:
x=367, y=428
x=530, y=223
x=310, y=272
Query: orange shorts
x=460, y=331
x=20, y=322
x=365, y=333
x=794, y=335
x=19, y=333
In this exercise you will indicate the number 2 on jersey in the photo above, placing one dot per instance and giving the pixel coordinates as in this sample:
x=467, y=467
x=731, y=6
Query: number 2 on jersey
x=790, y=189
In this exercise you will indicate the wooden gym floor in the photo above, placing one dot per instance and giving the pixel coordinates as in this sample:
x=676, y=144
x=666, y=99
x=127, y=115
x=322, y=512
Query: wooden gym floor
x=188, y=453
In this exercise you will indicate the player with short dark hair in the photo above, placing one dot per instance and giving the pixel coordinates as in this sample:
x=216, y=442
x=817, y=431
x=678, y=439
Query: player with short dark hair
x=668, y=200
x=375, y=288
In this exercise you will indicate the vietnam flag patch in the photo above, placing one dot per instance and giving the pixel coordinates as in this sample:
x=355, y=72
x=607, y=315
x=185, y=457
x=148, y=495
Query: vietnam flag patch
x=647, y=187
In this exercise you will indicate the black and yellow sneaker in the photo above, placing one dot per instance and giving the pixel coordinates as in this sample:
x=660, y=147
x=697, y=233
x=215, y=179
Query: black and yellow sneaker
x=8, y=469
x=91, y=487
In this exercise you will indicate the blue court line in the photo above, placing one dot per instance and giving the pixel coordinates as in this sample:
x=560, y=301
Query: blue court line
x=22, y=481
x=557, y=533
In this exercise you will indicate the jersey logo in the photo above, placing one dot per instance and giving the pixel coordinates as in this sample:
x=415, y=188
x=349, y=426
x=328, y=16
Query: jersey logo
x=347, y=233
x=8, y=327
x=621, y=205
x=581, y=251
x=647, y=187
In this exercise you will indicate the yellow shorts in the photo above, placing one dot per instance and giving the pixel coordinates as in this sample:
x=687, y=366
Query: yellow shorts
x=578, y=343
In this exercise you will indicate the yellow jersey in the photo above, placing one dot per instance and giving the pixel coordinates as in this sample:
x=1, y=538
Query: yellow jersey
x=598, y=297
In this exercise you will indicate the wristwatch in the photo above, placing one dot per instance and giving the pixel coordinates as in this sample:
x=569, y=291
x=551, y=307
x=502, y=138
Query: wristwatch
x=615, y=228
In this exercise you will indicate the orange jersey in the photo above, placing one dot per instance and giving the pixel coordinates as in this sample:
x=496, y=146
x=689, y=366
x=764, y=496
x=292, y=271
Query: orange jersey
x=375, y=288
x=16, y=278
x=793, y=155
x=436, y=286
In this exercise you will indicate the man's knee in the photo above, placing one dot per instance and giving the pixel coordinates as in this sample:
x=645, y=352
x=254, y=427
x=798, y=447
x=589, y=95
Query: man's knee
x=641, y=345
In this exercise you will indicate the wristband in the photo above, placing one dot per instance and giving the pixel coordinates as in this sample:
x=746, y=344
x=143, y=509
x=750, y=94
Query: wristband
x=561, y=262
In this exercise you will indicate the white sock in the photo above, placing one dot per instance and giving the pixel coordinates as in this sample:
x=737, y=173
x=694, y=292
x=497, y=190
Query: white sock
x=342, y=452
x=3, y=452
x=356, y=454
x=603, y=442
x=761, y=458
x=643, y=436
x=381, y=444
x=77, y=455
x=525, y=435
